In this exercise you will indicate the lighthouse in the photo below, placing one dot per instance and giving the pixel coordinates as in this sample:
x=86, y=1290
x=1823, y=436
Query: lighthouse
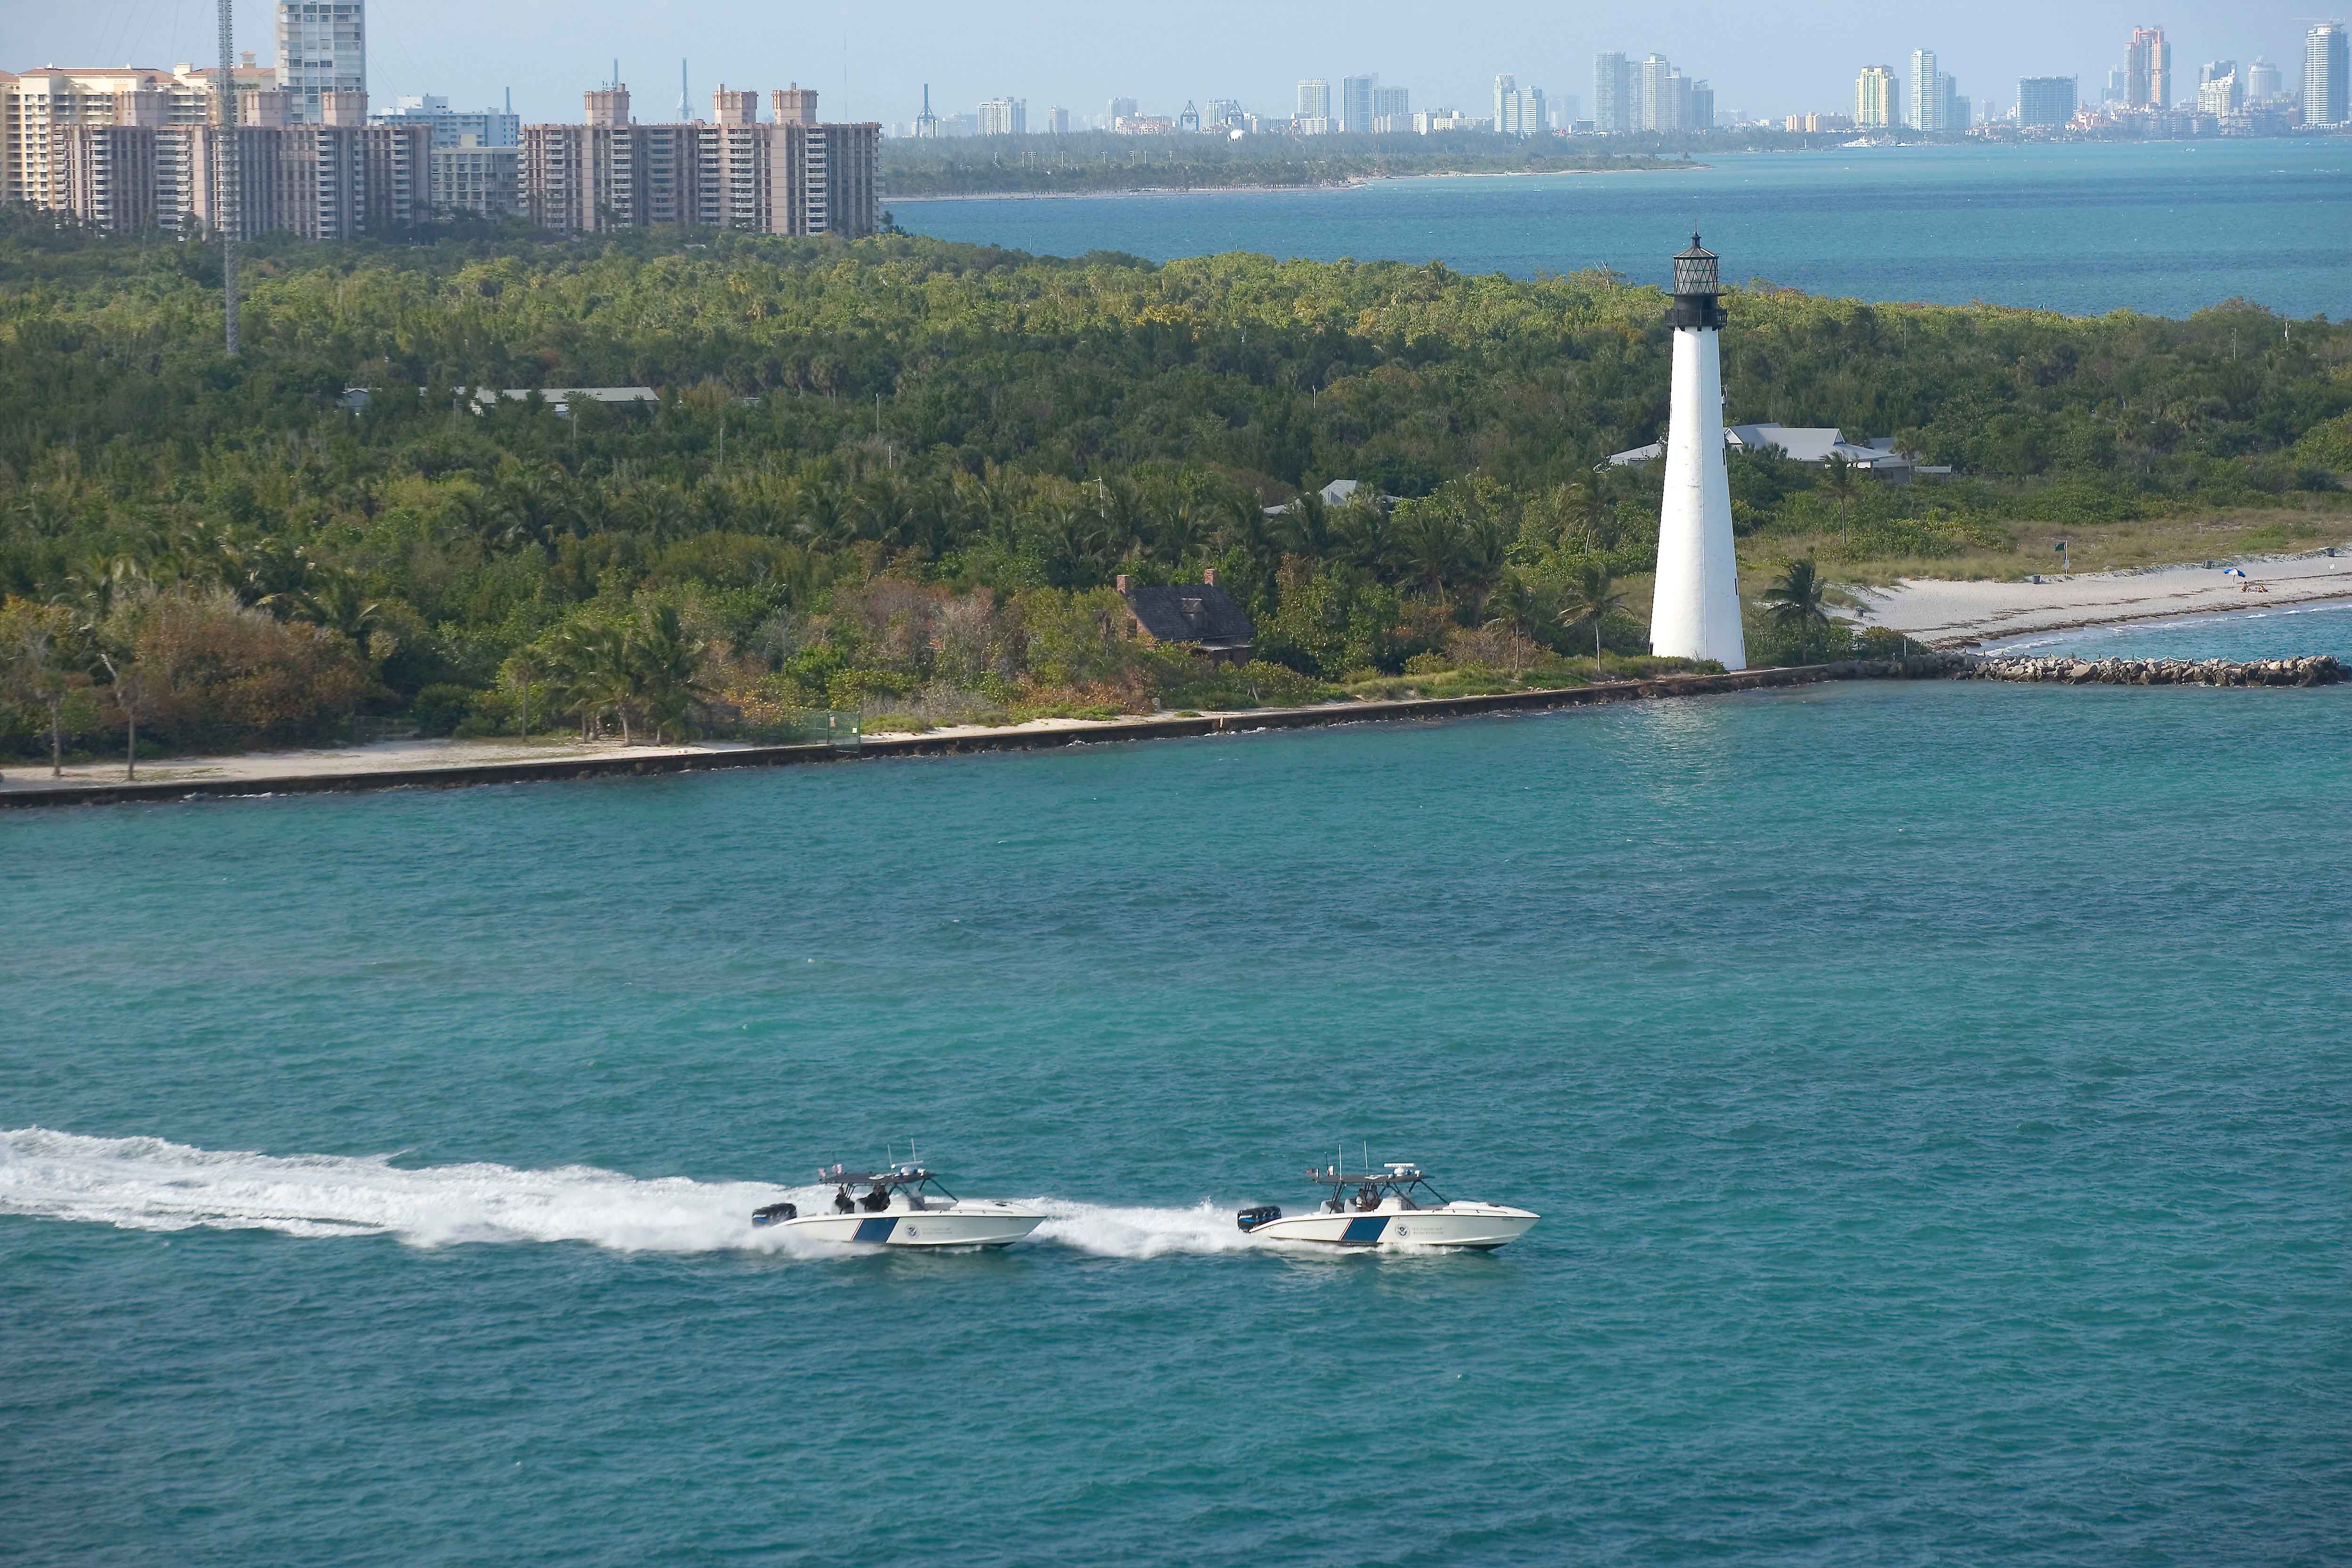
x=1696, y=610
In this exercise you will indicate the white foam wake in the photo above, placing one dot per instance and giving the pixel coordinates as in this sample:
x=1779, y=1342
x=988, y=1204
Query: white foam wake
x=148, y=1183
x=1110, y=1232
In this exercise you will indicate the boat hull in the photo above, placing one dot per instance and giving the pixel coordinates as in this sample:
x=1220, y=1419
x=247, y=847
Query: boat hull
x=965, y=1225
x=1459, y=1228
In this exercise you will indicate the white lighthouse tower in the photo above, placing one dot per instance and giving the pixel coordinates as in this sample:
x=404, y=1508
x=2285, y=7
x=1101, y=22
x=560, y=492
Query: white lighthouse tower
x=1696, y=610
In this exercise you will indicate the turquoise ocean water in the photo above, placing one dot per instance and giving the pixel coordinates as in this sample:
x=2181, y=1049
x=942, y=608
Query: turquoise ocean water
x=2165, y=228
x=1939, y=1098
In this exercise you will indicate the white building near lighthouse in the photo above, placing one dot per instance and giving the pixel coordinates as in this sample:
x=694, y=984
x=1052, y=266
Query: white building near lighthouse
x=1696, y=610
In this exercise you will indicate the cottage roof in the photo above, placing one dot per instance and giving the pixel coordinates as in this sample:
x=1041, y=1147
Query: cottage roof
x=1798, y=443
x=1191, y=612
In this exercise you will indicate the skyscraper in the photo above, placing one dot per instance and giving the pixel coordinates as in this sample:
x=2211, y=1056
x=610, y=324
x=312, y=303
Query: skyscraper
x=2326, y=73
x=1665, y=96
x=1613, y=95
x=1005, y=117
x=2220, y=88
x=321, y=48
x=2264, y=81
x=1506, y=103
x=2148, y=70
x=2045, y=100
x=1356, y=103
x=1927, y=95
x=1873, y=98
x=1315, y=99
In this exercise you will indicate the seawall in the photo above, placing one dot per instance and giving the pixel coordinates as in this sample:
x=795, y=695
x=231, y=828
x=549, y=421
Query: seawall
x=1156, y=729
x=2315, y=671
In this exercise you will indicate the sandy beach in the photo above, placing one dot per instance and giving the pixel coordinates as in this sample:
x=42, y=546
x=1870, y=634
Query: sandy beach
x=1955, y=614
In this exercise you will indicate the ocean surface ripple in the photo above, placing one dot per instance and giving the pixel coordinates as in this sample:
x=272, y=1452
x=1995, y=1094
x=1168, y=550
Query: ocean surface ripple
x=1939, y=1098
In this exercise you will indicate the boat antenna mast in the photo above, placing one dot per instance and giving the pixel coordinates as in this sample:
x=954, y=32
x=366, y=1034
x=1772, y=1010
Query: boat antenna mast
x=224, y=204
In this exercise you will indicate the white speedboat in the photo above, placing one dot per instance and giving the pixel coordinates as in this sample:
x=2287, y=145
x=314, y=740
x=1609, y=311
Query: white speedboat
x=1394, y=1206
x=902, y=1206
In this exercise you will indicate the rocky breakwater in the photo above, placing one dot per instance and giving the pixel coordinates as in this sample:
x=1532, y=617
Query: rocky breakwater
x=2323, y=669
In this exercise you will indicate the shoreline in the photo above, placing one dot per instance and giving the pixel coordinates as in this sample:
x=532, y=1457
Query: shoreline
x=1949, y=614
x=1353, y=181
x=381, y=766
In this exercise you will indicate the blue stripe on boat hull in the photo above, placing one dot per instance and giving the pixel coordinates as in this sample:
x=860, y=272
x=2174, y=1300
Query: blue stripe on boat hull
x=875, y=1229
x=1365, y=1231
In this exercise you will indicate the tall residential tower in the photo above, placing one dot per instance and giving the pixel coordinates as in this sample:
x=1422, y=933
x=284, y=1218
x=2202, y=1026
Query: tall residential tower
x=321, y=48
x=2326, y=77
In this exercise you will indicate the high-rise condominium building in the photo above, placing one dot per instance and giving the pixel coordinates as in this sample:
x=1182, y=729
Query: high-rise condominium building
x=2327, y=76
x=2220, y=88
x=1057, y=122
x=2148, y=70
x=137, y=148
x=1521, y=112
x=1392, y=109
x=1315, y=99
x=1702, y=106
x=1873, y=98
x=1665, y=96
x=794, y=175
x=1507, y=95
x=2264, y=81
x=1005, y=117
x=1930, y=95
x=450, y=127
x=321, y=48
x=1615, y=105
x=1121, y=108
x=2045, y=100
x=1356, y=103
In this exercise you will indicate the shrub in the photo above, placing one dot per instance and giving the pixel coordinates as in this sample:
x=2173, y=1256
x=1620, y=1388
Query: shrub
x=440, y=708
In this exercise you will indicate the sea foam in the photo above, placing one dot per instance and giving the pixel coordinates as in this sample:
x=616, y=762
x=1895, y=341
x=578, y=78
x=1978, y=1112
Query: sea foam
x=150, y=1183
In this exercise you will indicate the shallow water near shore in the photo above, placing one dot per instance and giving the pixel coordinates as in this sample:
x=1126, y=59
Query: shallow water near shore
x=2310, y=628
x=1939, y=1096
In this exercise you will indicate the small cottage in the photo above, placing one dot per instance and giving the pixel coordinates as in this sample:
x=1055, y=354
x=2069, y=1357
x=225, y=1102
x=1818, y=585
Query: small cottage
x=1199, y=613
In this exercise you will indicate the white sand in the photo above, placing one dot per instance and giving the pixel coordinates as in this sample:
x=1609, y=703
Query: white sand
x=1953, y=614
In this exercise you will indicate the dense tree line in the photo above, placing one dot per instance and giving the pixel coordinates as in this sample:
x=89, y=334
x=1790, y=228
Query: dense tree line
x=908, y=470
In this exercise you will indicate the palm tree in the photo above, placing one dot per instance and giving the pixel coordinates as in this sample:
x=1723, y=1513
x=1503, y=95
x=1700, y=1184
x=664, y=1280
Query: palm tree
x=664, y=665
x=1590, y=504
x=1592, y=594
x=1799, y=601
x=1840, y=474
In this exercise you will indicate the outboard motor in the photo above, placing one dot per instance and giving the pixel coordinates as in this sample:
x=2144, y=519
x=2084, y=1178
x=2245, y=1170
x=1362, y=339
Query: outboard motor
x=775, y=1213
x=1250, y=1219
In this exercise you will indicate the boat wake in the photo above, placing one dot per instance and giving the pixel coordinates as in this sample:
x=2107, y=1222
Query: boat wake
x=1108, y=1232
x=150, y=1183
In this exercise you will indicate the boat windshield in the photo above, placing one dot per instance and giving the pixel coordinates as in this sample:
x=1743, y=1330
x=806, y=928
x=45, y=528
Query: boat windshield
x=1367, y=1190
x=914, y=1181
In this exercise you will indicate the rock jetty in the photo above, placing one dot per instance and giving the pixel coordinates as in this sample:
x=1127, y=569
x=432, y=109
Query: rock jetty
x=2324, y=669
x=2321, y=669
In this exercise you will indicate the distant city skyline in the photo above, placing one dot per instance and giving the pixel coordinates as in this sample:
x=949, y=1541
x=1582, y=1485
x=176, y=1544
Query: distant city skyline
x=1769, y=60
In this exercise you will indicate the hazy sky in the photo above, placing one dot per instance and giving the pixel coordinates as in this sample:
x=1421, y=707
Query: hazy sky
x=1763, y=56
